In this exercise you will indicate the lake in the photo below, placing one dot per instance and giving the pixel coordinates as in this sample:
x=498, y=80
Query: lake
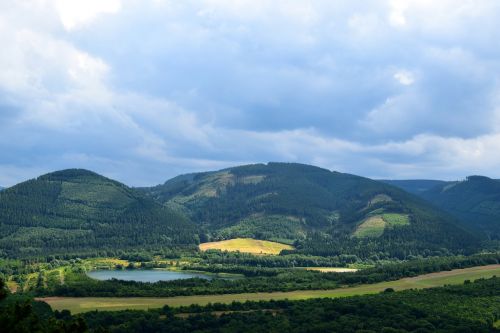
x=145, y=275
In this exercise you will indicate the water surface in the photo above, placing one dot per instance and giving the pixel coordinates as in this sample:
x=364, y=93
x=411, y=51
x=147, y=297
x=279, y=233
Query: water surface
x=145, y=275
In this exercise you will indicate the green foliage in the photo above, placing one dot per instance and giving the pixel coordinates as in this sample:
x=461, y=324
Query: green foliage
x=465, y=308
x=475, y=201
x=272, y=276
x=271, y=227
x=78, y=210
x=279, y=201
x=415, y=186
x=395, y=220
x=22, y=314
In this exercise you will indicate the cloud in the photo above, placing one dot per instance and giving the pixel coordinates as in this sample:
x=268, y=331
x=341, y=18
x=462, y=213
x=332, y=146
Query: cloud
x=404, y=77
x=76, y=13
x=144, y=90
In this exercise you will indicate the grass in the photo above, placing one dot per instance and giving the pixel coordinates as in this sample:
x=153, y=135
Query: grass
x=77, y=305
x=247, y=245
x=375, y=225
x=396, y=219
x=13, y=286
x=372, y=227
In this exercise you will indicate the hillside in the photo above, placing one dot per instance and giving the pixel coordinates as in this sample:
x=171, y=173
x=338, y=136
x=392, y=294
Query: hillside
x=475, y=201
x=320, y=211
x=78, y=210
x=415, y=186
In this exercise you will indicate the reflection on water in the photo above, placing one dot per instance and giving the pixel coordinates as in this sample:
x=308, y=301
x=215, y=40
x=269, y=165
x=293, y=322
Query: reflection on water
x=145, y=275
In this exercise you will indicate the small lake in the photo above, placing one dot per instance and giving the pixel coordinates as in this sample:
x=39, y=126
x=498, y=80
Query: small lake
x=145, y=275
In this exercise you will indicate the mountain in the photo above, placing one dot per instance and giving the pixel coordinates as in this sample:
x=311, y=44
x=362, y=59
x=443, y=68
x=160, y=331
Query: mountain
x=322, y=212
x=475, y=201
x=78, y=210
x=415, y=186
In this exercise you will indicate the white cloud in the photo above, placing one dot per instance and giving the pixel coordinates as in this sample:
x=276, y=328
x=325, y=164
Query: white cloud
x=404, y=77
x=397, y=15
x=76, y=13
x=196, y=85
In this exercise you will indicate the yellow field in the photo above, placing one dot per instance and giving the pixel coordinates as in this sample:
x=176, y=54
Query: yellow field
x=457, y=276
x=331, y=269
x=13, y=286
x=111, y=261
x=246, y=245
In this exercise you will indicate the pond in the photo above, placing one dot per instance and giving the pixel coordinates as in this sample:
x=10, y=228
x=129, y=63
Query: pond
x=145, y=275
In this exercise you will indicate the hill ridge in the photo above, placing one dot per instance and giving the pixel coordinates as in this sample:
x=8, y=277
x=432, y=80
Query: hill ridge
x=291, y=201
x=80, y=210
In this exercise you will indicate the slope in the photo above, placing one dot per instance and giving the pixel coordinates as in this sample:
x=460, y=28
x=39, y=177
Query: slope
x=75, y=210
x=318, y=210
x=475, y=201
x=415, y=186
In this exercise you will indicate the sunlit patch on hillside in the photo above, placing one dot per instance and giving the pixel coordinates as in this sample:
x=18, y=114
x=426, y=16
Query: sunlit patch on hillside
x=246, y=245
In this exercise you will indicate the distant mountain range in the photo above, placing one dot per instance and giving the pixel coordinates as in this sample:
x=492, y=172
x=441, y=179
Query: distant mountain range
x=415, y=186
x=475, y=201
x=319, y=211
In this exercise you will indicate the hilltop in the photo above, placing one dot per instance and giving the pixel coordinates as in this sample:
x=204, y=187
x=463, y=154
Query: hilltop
x=77, y=210
x=319, y=211
x=475, y=201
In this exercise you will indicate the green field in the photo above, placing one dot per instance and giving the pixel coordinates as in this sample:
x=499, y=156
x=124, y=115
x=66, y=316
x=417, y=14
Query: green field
x=375, y=225
x=247, y=245
x=77, y=305
x=372, y=227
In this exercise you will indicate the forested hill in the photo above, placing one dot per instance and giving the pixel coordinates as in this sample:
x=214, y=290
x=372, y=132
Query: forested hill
x=476, y=201
x=78, y=210
x=329, y=212
x=415, y=186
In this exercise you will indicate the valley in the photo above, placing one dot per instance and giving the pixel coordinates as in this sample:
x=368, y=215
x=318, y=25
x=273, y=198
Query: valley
x=78, y=305
x=258, y=235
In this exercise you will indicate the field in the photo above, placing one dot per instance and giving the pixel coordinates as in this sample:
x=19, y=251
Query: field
x=371, y=227
x=247, y=245
x=331, y=269
x=77, y=305
x=374, y=226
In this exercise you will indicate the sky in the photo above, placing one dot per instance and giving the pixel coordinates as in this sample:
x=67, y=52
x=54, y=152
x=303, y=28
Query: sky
x=144, y=90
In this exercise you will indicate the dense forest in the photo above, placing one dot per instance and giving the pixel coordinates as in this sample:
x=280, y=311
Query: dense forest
x=475, y=201
x=78, y=211
x=415, y=186
x=322, y=212
x=472, y=307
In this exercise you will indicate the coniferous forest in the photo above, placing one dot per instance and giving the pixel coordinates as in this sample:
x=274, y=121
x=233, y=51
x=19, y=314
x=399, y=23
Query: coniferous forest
x=341, y=231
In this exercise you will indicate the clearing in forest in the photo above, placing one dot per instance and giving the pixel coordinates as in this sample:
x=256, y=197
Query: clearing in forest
x=246, y=245
x=375, y=225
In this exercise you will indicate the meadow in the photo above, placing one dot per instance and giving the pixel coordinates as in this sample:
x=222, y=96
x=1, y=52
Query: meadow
x=457, y=276
x=246, y=245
